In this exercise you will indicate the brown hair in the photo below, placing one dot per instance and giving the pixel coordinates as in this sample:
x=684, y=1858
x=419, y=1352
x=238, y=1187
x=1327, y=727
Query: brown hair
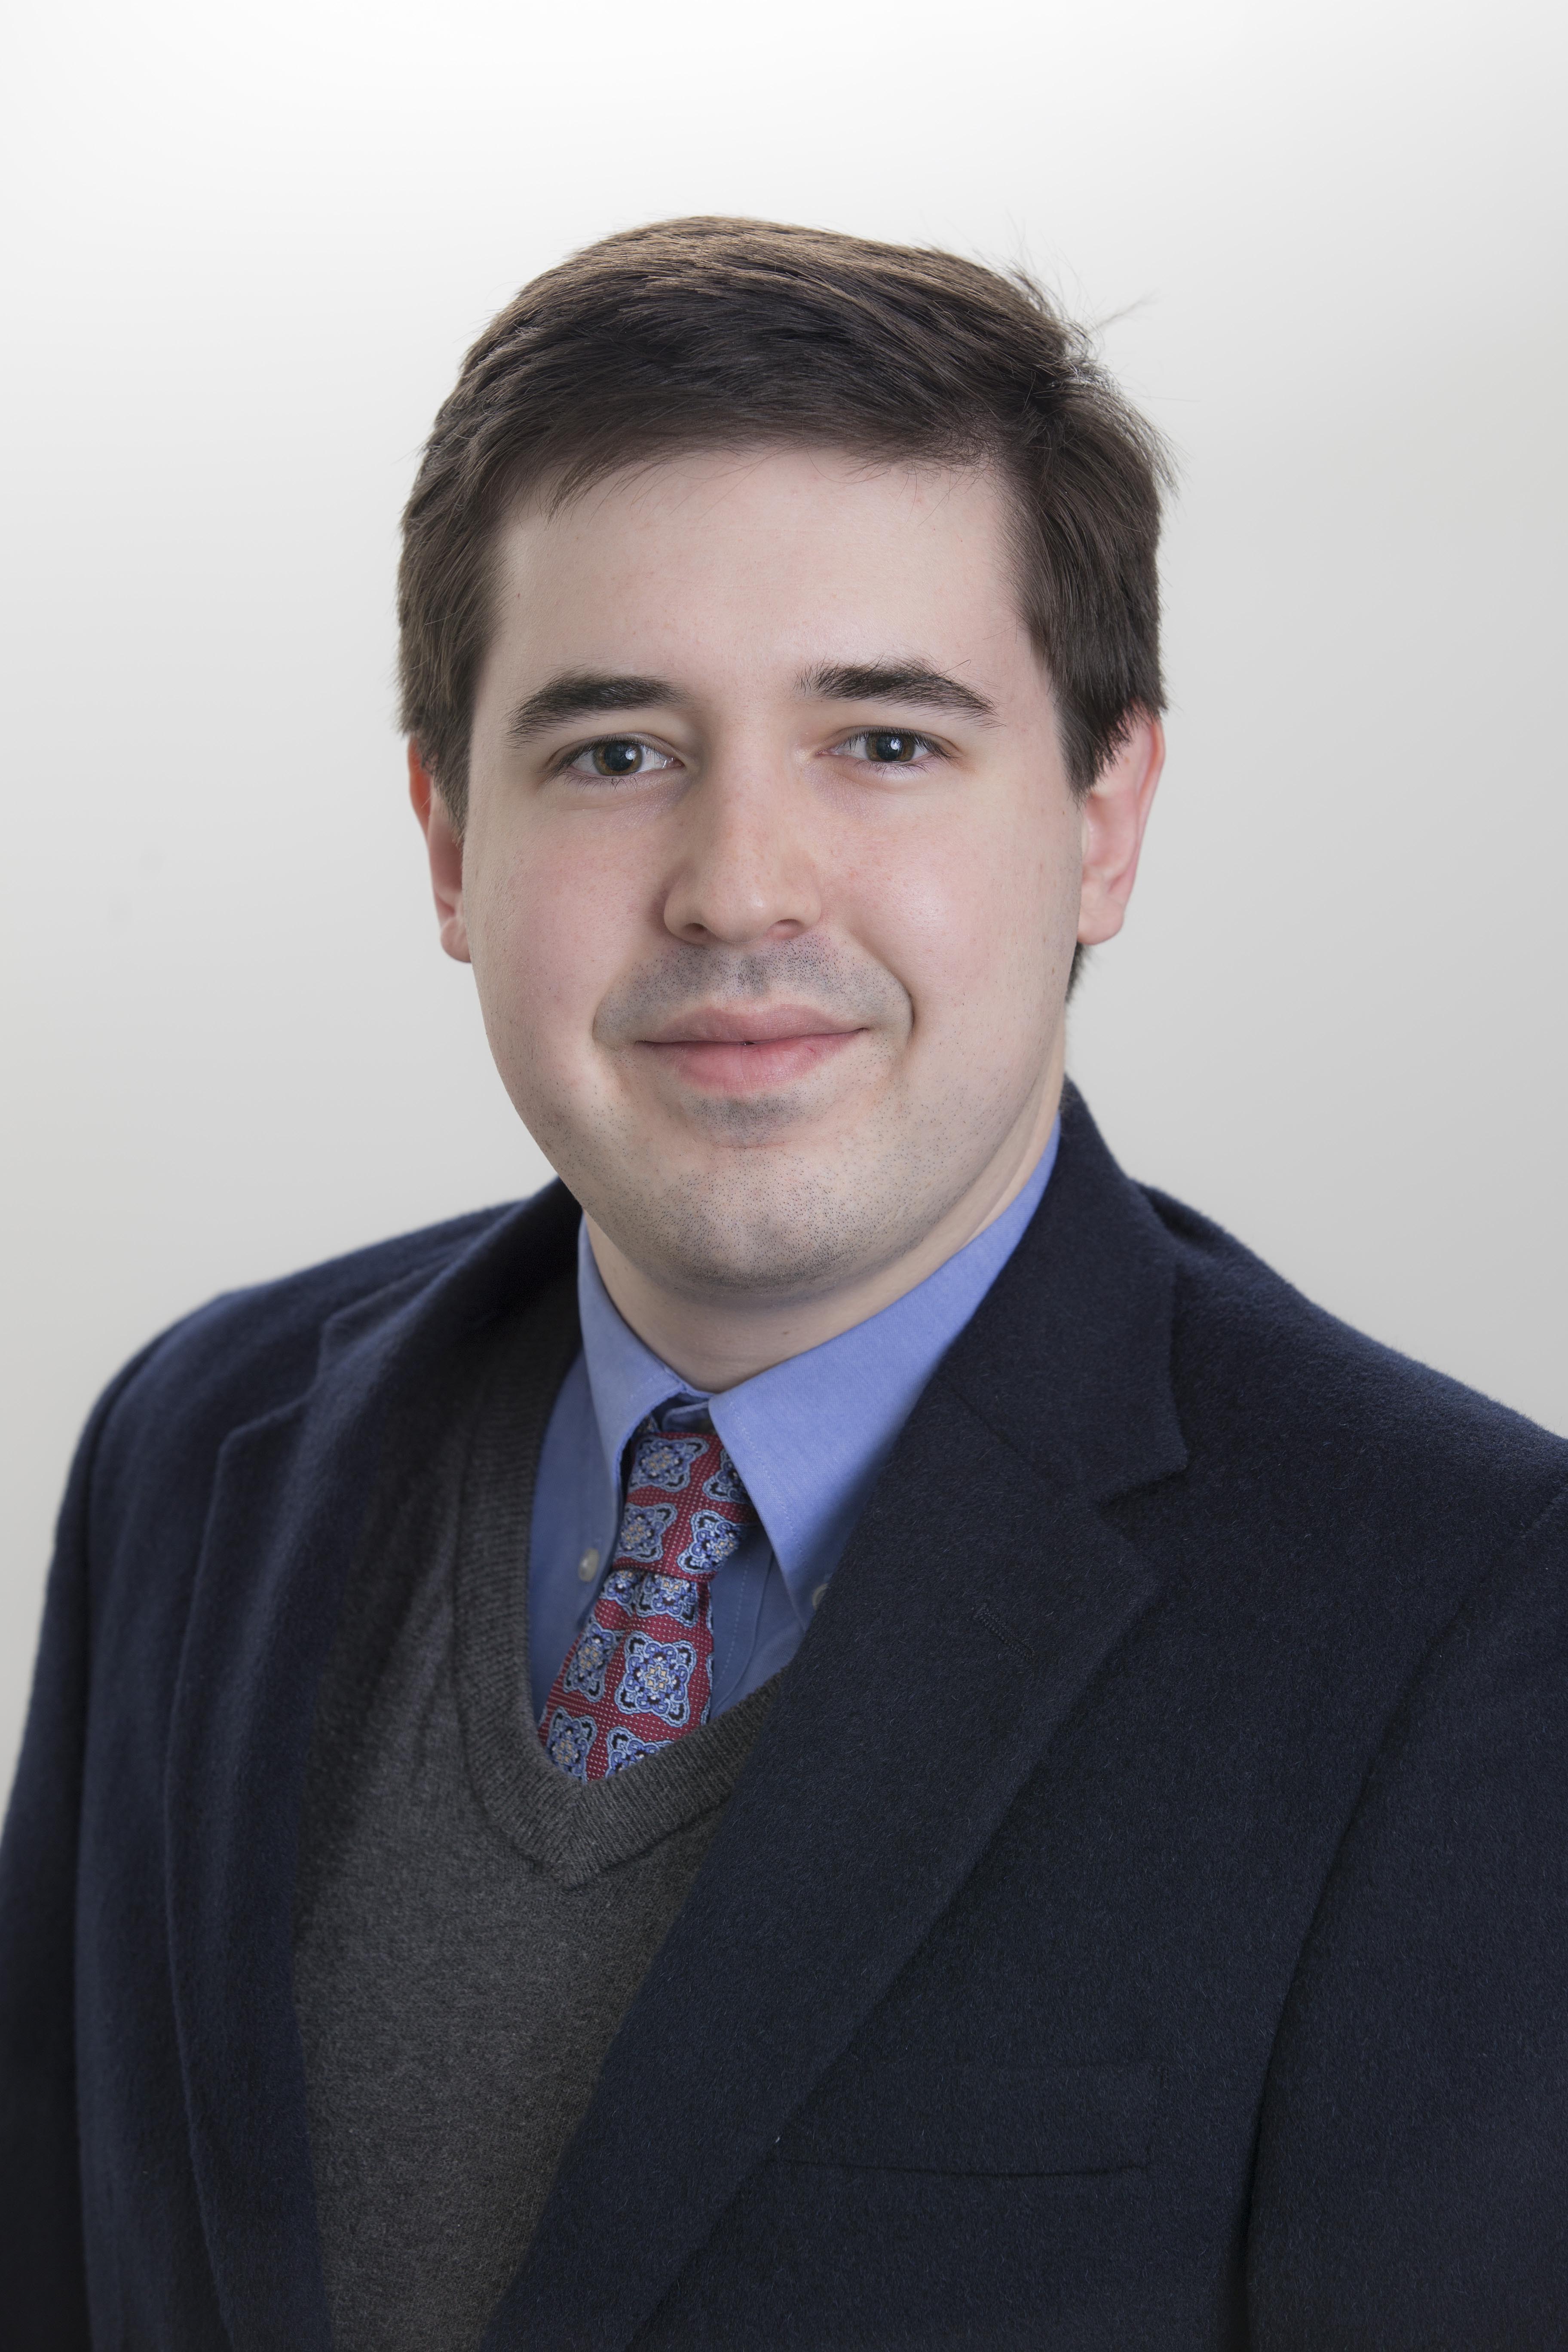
x=708, y=332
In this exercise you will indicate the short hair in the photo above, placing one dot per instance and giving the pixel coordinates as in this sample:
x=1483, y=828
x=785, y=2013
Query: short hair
x=713, y=333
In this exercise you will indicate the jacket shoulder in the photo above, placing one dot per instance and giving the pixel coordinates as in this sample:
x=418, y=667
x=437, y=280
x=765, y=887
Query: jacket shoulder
x=249, y=1352
x=1330, y=1415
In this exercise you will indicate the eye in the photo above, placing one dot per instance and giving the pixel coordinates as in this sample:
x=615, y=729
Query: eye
x=618, y=755
x=887, y=746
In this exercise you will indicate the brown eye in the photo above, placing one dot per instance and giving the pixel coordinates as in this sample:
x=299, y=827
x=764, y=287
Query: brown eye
x=892, y=751
x=618, y=756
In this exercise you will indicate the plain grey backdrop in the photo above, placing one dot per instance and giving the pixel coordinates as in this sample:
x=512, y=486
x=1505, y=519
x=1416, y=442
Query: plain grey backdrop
x=247, y=246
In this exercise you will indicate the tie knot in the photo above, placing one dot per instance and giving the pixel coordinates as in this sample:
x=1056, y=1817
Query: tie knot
x=685, y=1505
x=665, y=1458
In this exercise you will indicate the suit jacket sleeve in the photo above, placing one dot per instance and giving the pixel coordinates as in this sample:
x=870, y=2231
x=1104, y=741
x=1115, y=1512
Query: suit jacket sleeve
x=42, y=2282
x=1412, y=2186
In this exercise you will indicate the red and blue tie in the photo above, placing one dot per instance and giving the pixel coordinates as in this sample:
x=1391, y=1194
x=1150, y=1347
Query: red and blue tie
x=639, y=1673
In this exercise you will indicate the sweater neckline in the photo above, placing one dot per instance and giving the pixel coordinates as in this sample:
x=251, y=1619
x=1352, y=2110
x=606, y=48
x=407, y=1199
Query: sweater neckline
x=574, y=1829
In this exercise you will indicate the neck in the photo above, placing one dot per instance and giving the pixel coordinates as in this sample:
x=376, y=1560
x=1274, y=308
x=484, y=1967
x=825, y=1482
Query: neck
x=714, y=1343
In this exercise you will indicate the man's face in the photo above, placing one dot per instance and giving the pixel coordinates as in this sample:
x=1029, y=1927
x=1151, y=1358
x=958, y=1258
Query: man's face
x=772, y=873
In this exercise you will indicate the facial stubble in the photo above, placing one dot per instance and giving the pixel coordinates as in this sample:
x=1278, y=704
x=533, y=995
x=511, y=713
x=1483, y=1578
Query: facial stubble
x=769, y=1197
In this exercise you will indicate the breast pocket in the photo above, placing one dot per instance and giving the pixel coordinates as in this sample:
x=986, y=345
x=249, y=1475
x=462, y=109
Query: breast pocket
x=1024, y=2121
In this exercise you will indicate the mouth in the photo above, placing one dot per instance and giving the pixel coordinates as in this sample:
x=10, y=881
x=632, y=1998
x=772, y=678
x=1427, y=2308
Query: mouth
x=749, y=1051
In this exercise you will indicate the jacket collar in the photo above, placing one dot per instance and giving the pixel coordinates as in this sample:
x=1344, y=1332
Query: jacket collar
x=1069, y=1360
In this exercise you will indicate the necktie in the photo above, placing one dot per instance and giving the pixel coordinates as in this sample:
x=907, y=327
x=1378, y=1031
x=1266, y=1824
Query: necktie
x=639, y=1673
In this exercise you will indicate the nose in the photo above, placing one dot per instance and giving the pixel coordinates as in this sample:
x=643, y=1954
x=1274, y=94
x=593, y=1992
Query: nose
x=746, y=871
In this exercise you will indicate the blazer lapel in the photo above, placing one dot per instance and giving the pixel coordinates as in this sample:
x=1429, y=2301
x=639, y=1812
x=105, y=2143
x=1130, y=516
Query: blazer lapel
x=980, y=1593
x=287, y=1502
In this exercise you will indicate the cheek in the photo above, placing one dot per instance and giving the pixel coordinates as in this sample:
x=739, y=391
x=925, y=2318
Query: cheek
x=975, y=924
x=543, y=949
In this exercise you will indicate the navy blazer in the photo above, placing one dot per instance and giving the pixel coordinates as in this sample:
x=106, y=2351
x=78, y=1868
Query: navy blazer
x=1142, y=1920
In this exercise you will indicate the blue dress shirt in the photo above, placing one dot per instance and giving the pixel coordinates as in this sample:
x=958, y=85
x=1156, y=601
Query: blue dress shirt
x=808, y=1437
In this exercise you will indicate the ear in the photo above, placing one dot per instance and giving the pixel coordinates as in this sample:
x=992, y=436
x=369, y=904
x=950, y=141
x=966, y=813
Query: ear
x=1114, y=812
x=444, y=846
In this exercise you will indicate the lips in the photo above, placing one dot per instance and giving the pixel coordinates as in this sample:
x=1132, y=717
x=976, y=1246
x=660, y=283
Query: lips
x=748, y=1050
x=761, y=1024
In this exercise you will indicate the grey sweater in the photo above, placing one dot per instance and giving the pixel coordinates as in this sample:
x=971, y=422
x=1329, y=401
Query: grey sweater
x=470, y=1925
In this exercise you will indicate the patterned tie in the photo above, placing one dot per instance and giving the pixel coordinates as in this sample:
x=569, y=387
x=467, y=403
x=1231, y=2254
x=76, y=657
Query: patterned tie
x=638, y=1675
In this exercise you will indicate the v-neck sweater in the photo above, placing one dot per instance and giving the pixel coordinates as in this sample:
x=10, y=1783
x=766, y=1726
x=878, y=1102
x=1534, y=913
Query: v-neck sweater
x=471, y=1925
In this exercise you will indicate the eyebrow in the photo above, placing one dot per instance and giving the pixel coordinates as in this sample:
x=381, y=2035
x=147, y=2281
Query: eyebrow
x=910, y=682
x=583, y=694
x=590, y=694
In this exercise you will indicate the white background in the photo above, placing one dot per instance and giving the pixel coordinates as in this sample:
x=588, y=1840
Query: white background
x=247, y=245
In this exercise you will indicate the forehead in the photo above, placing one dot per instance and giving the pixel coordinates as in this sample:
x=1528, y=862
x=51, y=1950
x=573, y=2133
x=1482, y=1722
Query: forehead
x=763, y=560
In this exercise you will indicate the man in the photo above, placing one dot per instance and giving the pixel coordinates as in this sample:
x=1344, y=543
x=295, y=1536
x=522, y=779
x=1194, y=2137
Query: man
x=845, y=1730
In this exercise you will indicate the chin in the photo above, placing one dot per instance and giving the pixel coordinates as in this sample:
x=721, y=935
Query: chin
x=782, y=1230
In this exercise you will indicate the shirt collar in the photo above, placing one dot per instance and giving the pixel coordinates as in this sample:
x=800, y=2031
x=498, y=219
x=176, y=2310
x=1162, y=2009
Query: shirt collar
x=808, y=1436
